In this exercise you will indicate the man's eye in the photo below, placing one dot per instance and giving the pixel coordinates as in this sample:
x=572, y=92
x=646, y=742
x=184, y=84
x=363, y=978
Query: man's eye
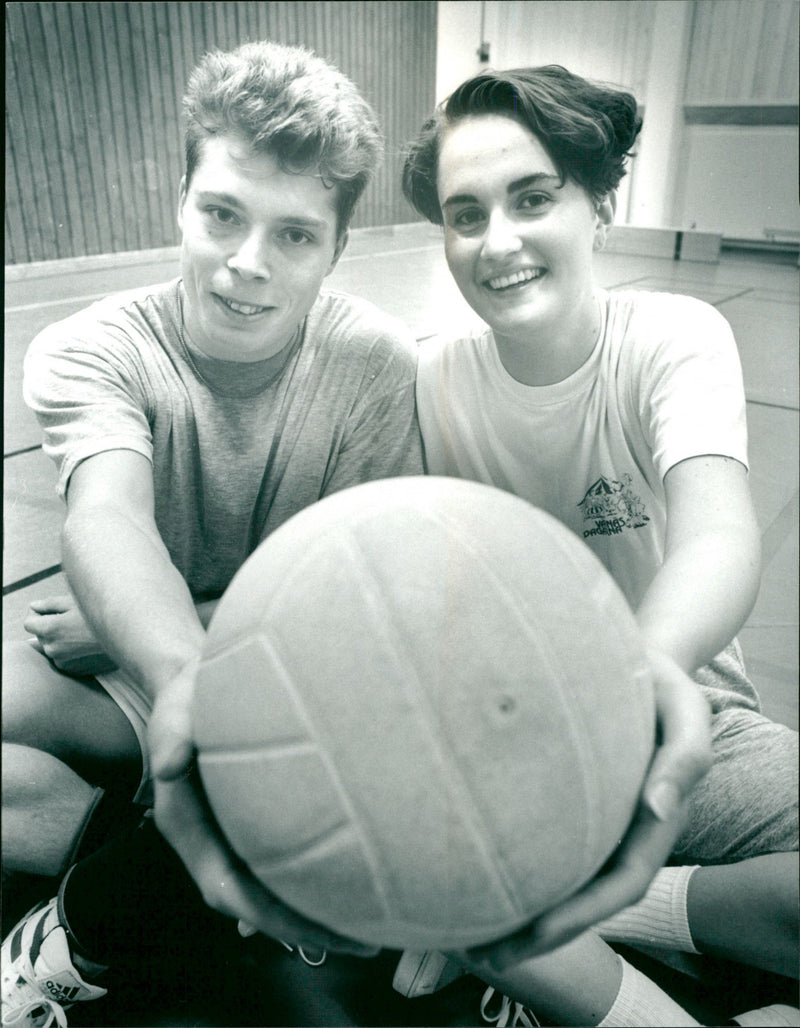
x=296, y=236
x=222, y=215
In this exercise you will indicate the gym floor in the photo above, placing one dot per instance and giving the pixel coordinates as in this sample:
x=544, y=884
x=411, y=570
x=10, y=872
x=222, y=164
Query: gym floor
x=402, y=270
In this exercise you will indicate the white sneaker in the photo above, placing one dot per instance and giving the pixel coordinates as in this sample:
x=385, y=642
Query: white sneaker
x=776, y=1016
x=39, y=982
x=420, y=974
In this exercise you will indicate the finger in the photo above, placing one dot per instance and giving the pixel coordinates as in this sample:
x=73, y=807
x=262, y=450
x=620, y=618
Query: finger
x=643, y=852
x=52, y=604
x=227, y=886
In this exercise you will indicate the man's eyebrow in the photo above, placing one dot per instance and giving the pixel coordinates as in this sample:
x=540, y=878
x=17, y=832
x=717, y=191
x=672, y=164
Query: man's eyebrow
x=300, y=219
x=208, y=194
x=539, y=178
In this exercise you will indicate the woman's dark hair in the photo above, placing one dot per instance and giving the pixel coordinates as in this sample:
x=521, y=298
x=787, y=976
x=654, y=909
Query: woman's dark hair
x=587, y=129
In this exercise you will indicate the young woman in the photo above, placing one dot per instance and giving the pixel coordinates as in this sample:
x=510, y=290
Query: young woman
x=622, y=414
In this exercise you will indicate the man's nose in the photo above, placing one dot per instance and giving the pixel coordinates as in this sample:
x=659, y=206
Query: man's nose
x=252, y=258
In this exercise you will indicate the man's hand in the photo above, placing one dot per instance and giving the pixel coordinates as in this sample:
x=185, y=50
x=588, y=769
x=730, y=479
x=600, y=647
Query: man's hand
x=186, y=821
x=682, y=758
x=61, y=633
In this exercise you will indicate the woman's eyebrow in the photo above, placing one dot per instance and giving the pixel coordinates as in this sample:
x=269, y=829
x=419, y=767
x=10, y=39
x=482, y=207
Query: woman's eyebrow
x=532, y=180
x=537, y=179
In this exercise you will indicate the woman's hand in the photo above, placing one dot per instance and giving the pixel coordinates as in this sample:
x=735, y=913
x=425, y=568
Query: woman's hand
x=186, y=821
x=682, y=757
x=61, y=633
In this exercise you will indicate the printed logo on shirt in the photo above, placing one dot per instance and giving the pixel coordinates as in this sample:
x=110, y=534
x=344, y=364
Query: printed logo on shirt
x=611, y=507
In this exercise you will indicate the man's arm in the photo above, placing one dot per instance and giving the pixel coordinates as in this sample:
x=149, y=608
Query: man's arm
x=133, y=596
x=142, y=612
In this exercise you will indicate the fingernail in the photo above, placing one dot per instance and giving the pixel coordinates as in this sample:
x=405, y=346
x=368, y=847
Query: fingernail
x=246, y=930
x=663, y=799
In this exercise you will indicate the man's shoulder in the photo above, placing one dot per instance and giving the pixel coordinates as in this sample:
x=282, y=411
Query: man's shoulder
x=337, y=316
x=116, y=312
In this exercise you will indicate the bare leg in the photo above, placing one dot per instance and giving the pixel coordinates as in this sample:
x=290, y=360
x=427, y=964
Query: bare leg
x=73, y=719
x=62, y=737
x=748, y=911
x=45, y=805
x=575, y=984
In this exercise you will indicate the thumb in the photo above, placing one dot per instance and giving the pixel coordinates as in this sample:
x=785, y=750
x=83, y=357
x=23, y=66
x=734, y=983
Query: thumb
x=169, y=733
x=685, y=754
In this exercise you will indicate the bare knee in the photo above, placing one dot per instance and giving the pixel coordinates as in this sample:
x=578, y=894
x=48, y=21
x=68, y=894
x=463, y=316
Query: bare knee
x=44, y=805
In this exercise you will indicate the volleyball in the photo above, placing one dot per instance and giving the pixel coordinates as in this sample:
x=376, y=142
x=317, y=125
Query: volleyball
x=423, y=714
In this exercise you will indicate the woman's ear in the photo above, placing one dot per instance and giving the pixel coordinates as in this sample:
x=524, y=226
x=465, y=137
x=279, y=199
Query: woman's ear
x=605, y=210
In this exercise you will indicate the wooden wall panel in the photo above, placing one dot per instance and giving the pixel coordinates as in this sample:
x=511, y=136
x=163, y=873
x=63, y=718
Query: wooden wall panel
x=609, y=41
x=744, y=52
x=94, y=148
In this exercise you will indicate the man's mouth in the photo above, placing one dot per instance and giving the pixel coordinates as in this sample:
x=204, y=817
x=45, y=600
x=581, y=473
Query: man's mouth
x=517, y=279
x=247, y=309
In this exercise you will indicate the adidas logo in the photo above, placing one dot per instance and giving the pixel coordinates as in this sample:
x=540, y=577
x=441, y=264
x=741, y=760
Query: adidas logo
x=62, y=993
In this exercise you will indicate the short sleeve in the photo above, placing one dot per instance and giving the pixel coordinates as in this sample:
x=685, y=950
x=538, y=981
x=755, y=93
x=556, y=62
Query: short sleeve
x=86, y=392
x=691, y=393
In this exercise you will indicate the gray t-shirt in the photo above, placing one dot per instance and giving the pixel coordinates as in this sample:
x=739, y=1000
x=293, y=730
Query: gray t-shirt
x=236, y=449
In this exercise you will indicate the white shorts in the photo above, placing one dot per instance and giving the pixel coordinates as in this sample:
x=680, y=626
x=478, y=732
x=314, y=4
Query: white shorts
x=136, y=705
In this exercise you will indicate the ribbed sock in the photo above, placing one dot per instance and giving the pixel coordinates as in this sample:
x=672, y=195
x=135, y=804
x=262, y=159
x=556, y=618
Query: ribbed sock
x=642, y=1002
x=660, y=919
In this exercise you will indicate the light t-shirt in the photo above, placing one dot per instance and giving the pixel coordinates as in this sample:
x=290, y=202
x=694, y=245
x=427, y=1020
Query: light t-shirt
x=663, y=384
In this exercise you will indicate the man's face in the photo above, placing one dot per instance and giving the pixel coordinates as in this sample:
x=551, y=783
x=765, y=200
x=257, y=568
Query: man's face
x=257, y=244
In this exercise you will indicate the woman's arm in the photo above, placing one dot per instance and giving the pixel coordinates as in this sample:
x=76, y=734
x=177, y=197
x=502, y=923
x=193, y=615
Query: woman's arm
x=708, y=583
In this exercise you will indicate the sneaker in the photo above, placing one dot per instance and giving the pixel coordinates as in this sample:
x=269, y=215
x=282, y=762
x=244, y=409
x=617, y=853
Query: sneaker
x=38, y=978
x=420, y=974
x=509, y=1014
x=776, y=1016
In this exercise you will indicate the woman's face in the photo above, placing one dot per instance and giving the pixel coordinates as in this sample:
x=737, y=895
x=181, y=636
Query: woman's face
x=518, y=241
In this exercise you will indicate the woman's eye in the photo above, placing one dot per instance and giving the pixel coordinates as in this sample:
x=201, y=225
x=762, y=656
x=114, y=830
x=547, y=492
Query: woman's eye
x=532, y=201
x=468, y=218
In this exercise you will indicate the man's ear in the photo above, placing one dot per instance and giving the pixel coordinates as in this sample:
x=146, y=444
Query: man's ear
x=181, y=202
x=341, y=243
x=604, y=213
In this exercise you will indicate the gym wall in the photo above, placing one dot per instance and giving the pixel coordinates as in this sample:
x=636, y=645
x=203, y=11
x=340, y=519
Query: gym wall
x=94, y=145
x=717, y=81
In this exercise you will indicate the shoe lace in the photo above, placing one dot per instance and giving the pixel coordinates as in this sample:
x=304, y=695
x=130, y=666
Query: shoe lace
x=510, y=1014
x=304, y=956
x=20, y=1013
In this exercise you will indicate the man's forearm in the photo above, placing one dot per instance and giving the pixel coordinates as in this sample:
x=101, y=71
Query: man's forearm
x=134, y=598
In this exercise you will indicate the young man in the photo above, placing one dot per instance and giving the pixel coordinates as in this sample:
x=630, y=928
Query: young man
x=187, y=421
x=622, y=414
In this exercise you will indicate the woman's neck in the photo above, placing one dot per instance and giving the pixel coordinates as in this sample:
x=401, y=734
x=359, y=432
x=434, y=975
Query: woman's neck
x=545, y=358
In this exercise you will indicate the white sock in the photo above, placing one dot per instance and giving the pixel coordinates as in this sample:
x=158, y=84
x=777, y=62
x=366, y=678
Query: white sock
x=640, y=1001
x=660, y=919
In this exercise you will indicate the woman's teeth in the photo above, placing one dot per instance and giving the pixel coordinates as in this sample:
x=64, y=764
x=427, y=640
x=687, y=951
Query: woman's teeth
x=504, y=281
